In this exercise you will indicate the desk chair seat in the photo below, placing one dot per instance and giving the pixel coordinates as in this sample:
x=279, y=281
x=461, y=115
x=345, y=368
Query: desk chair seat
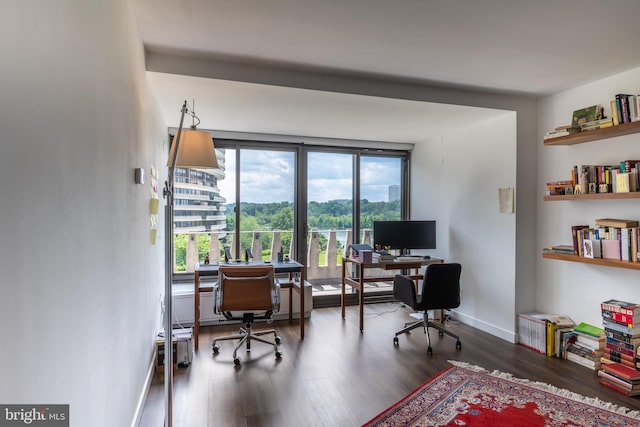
x=440, y=290
x=247, y=293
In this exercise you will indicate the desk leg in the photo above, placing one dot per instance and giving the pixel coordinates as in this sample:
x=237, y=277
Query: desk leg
x=196, y=310
x=361, y=279
x=342, y=295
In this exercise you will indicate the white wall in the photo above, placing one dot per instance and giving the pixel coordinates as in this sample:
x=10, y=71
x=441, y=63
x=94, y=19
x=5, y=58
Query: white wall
x=455, y=180
x=572, y=288
x=81, y=283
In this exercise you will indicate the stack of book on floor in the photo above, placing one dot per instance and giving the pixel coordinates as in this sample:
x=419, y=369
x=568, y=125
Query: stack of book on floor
x=621, y=322
x=620, y=378
x=585, y=345
x=544, y=332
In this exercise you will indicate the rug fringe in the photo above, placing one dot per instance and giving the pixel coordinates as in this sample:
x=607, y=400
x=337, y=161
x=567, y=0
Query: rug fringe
x=553, y=389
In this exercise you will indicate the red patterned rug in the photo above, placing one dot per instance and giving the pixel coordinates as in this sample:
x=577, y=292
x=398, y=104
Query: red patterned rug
x=466, y=395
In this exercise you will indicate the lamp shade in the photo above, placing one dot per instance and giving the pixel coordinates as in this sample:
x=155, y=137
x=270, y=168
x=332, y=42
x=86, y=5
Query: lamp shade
x=196, y=150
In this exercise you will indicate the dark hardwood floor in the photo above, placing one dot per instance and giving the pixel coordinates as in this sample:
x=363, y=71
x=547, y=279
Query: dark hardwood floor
x=339, y=377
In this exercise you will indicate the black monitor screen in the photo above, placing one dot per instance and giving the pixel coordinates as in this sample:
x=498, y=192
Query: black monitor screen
x=405, y=234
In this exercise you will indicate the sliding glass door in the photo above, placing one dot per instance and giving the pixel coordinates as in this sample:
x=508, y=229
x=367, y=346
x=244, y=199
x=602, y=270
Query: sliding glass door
x=329, y=216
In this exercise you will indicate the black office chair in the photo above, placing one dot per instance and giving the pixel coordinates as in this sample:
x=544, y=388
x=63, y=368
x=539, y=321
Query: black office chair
x=440, y=290
x=247, y=293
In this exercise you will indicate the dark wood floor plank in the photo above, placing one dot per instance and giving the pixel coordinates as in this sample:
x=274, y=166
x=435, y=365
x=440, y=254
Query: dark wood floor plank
x=337, y=376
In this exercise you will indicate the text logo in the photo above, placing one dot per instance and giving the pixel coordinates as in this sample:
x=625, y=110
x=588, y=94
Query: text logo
x=34, y=415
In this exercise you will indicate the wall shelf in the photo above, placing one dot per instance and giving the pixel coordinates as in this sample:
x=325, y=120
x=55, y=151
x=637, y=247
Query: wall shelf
x=596, y=261
x=596, y=196
x=594, y=135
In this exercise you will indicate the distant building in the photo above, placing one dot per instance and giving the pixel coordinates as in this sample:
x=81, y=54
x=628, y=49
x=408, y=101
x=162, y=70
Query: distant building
x=197, y=204
x=394, y=192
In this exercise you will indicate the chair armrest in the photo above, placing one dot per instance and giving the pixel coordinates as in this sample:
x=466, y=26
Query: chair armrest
x=216, y=297
x=276, y=296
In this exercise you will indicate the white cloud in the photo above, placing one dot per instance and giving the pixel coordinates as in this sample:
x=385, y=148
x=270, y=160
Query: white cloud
x=268, y=176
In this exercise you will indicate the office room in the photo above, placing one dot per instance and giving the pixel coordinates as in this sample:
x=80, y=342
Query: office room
x=85, y=273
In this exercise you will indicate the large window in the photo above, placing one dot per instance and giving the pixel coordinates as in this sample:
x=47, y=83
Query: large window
x=308, y=202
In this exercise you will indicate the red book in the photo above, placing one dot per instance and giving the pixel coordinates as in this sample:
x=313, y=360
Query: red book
x=622, y=371
x=628, y=308
x=617, y=388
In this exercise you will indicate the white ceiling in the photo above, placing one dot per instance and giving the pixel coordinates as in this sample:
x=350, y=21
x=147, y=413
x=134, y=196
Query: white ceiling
x=532, y=48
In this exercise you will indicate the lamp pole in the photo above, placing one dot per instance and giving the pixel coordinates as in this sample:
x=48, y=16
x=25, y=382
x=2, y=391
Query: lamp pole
x=168, y=271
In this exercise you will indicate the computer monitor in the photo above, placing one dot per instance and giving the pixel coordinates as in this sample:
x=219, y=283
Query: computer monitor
x=405, y=234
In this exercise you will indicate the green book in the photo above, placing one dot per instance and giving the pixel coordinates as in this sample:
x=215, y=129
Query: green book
x=588, y=329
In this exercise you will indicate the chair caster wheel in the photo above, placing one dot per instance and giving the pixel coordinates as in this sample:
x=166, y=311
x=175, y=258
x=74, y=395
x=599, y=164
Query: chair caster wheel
x=236, y=361
x=395, y=340
x=215, y=349
x=429, y=351
x=278, y=355
x=440, y=333
x=277, y=340
x=458, y=345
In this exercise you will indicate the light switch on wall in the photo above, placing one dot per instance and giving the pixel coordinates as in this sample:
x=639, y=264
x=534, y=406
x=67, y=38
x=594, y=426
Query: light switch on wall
x=139, y=175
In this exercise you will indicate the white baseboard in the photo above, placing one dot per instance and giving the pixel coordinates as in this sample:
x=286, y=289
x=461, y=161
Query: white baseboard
x=137, y=416
x=509, y=336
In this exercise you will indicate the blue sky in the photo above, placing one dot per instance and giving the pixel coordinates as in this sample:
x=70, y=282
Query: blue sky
x=268, y=176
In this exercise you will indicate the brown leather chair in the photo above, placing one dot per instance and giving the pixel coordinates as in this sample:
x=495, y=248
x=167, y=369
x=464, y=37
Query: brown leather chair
x=247, y=293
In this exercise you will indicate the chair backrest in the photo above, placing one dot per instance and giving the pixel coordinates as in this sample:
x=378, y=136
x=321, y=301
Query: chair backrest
x=441, y=287
x=246, y=288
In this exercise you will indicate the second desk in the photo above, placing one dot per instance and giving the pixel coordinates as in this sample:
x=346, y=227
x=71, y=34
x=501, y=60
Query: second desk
x=358, y=279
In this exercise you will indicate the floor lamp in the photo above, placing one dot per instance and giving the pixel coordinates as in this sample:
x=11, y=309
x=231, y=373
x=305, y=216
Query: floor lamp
x=191, y=148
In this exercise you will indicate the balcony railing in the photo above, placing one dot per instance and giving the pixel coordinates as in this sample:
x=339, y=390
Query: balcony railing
x=324, y=262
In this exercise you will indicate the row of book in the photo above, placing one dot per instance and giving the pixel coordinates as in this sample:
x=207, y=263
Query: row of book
x=625, y=108
x=609, y=238
x=621, y=177
x=620, y=369
x=544, y=333
x=594, y=179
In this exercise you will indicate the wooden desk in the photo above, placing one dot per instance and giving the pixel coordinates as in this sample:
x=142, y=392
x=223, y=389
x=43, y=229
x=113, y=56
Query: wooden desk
x=290, y=267
x=360, y=280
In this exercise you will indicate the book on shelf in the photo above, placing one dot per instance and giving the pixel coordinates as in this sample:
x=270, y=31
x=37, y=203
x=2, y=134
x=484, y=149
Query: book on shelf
x=614, y=112
x=574, y=237
x=614, y=222
x=571, y=130
x=611, y=249
x=622, y=103
x=596, y=124
x=560, y=249
x=585, y=115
